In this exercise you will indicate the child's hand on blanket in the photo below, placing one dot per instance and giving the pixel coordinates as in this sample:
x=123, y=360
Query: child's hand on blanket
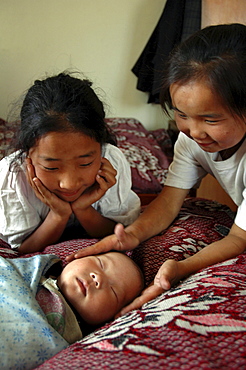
x=120, y=241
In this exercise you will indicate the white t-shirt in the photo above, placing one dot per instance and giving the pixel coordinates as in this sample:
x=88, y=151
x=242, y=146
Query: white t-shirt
x=21, y=212
x=191, y=164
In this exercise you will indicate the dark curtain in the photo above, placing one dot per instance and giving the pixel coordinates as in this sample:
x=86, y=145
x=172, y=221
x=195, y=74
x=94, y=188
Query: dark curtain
x=180, y=18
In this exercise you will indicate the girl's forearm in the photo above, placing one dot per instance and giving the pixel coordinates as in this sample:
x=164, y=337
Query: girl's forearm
x=95, y=224
x=219, y=251
x=159, y=214
x=47, y=233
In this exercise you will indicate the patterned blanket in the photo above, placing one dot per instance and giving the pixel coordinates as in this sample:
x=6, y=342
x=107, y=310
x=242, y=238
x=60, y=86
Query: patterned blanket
x=199, y=324
x=27, y=339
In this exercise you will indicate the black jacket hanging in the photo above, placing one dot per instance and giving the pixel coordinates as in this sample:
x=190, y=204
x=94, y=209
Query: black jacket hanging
x=180, y=18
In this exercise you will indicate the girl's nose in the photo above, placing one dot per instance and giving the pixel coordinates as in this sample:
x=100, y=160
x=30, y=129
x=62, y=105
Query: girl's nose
x=97, y=278
x=197, y=131
x=69, y=181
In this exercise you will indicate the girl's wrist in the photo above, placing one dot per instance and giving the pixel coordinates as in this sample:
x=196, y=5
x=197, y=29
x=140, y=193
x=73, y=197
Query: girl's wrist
x=60, y=218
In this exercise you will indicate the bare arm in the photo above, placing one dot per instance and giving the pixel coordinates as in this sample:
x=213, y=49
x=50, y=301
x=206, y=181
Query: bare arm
x=47, y=233
x=95, y=224
x=229, y=247
x=159, y=214
x=156, y=217
x=171, y=272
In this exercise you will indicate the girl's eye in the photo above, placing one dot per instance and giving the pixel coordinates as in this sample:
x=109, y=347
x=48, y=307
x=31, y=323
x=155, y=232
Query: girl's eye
x=211, y=121
x=50, y=168
x=86, y=164
x=178, y=113
x=181, y=115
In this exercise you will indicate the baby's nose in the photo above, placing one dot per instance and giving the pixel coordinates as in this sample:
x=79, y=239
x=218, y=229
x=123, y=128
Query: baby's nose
x=97, y=278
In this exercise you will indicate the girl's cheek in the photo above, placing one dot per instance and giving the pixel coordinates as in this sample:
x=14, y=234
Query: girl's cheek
x=181, y=126
x=47, y=180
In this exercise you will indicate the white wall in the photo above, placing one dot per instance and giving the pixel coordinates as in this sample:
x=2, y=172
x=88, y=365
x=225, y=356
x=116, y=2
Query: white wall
x=101, y=38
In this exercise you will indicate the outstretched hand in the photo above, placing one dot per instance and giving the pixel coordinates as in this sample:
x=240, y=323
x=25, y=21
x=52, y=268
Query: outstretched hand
x=120, y=241
x=147, y=295
x=167, y=276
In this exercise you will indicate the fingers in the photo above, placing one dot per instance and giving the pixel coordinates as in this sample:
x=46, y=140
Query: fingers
x=137, y=303
x=34, y=181
x=104, y=245
x=127, y=241
x=147, y=295
x=106, y=176
x=107, y=166
x=30, y=173
x=168, y=274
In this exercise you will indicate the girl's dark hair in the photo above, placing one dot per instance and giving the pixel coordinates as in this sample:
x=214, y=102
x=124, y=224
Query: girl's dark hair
x=216, y=54
x=62, y=103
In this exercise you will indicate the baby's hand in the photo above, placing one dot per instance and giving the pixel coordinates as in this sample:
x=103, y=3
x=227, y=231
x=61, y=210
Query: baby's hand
x=57, y=205
x=105, y=179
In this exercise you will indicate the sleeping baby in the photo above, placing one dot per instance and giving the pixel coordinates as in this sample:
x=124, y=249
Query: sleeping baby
x=44, y=306
x=91, y=289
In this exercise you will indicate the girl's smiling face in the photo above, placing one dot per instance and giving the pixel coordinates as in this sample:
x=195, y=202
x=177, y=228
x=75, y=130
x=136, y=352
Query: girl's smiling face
x=200, y=114
x=99, y=286
x=66, y=163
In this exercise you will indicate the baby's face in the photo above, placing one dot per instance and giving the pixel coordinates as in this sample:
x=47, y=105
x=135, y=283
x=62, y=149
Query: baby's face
x=99, y=286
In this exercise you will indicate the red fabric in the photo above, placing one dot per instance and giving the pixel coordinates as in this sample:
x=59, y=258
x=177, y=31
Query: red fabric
x=148, y=152
x=200, y=324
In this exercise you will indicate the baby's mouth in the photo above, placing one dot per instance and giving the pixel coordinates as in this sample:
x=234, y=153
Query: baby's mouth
x=82, y=286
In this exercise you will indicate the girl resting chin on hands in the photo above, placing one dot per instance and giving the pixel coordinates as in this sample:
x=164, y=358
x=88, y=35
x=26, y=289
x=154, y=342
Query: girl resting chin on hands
x=67, y=173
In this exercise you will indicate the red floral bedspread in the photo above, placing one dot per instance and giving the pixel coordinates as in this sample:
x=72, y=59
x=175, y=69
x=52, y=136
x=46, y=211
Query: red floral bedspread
x=200, y=324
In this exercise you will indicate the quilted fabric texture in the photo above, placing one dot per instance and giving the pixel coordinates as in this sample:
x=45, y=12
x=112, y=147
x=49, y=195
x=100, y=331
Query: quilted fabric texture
x=148, y=152
x=199, y=324
x=7, y=133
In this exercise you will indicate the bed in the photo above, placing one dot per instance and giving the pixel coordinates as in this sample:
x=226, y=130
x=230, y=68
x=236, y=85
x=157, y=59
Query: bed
x=200, y=323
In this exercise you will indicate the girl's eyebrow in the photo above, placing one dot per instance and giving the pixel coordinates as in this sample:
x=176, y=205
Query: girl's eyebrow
x=208, y=115
x=49, y=159
x=175, y=108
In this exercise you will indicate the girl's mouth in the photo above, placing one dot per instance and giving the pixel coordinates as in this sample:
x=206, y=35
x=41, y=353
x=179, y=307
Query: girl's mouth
x=205, y=145
x=71, y=194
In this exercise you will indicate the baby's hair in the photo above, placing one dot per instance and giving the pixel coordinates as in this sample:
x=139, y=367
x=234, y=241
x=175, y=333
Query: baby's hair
x=62, y=103
x=216, y=55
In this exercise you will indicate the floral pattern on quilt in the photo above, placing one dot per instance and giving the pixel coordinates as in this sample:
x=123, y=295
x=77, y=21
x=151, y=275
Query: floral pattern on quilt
x=7, y=133
x=27, y=339
x=199, y=324
x=148, y=152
